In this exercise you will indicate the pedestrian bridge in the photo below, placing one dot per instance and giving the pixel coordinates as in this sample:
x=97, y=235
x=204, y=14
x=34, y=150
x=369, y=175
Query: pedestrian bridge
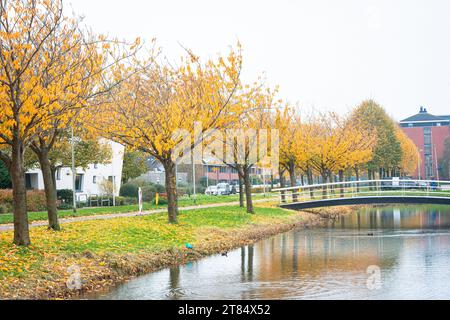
x=387, y=191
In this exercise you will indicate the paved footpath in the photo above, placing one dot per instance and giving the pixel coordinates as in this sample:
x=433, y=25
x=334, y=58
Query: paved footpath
x=9, y=227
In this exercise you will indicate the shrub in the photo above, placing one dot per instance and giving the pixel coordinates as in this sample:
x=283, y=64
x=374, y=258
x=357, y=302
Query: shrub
x=35, y=200
x=65, y=206
x=106, y=187
x=5, y=179
x=129, y=190
x=5, y=208
x=124, y=201
x=6, y=197
x=65, y=196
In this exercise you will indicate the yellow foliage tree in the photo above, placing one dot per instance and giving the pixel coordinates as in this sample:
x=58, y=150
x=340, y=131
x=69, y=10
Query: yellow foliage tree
x=156, y=102
x=251, y=136
x=288, y=122
x=410, y=158
x=337, y=144
x=49, y=71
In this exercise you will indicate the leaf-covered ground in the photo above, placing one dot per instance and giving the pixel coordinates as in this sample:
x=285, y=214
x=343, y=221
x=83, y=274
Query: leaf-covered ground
x=113, y=250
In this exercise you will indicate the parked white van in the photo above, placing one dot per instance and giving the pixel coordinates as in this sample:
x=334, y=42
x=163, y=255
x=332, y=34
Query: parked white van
x=223, y=189
x=211, y=191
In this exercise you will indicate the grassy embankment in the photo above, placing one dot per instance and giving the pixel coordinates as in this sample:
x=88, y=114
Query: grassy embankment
x=183, y=202
x=110, y=251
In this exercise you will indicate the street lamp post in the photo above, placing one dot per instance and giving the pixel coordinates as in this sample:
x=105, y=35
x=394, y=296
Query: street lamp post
x=113, y=183
x=74, y=194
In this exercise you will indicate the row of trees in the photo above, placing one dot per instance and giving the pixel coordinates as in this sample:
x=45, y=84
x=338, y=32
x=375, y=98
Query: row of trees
x=56, y=77
x=366, y=141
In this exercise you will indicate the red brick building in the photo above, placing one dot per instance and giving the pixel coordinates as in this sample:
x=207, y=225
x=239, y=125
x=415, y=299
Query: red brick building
x=428, y=132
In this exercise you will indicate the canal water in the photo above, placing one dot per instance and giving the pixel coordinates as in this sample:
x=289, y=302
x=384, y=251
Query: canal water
x=379, y=253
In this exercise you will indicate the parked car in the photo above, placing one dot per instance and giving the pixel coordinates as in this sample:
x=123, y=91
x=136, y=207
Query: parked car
x=223, y=189
x=211, y=191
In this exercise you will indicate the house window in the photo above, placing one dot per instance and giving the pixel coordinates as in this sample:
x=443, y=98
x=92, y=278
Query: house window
x=96, y=166
x=28, y=182
x=58, y=174
x=94, y=179
x=223, y=169
x=79, y=182
x=428, y=153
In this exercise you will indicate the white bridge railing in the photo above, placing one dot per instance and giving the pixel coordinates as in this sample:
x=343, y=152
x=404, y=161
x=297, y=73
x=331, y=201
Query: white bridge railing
x=366, y=188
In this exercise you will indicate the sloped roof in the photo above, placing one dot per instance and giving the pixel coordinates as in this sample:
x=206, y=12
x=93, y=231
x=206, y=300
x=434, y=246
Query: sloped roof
x=425, y=116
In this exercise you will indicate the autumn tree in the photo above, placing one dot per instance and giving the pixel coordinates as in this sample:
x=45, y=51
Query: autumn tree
x=49, y=70
x=163, y=99
x=336, y=145
x=250, y=142
x=134, y=165
x=289, y=125
x=387, y=153
x=25, y=29
x=409, y=161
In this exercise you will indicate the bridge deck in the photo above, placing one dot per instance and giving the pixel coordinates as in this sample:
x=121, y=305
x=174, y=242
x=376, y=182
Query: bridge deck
x=366, y=200
x=365, y=192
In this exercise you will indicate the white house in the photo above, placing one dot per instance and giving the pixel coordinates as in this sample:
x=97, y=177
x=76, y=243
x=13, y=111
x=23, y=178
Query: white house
x=87, y=181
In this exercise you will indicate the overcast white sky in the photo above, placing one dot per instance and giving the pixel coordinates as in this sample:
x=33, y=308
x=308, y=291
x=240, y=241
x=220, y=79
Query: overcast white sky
x=326, y=54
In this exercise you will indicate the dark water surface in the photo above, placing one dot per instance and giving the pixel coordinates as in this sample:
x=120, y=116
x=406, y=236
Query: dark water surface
x=380, y=253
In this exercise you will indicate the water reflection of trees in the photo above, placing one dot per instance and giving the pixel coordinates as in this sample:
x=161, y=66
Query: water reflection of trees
x=291, y=264
x=349, y=248
x=418, y=217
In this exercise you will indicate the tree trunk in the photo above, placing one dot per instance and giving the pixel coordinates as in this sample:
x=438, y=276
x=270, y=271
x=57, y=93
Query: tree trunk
x=271, y=181
x=310, y=179
x=54, y=178
x=293, y=182
x=341, y=179
x=324, y=181
x=241, y=189
x=331, y=178
x=50, y=191
x=17, y=172
x=357, y=178
x=248, y=190
x=282, y=186
x=171, y=189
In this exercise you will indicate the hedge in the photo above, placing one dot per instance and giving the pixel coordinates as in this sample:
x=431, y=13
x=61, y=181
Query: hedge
x=35, y=200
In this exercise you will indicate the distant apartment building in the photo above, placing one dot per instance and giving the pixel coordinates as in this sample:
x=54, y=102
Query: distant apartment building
x=87, y=182
x=429, y=133
x=206, y=174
